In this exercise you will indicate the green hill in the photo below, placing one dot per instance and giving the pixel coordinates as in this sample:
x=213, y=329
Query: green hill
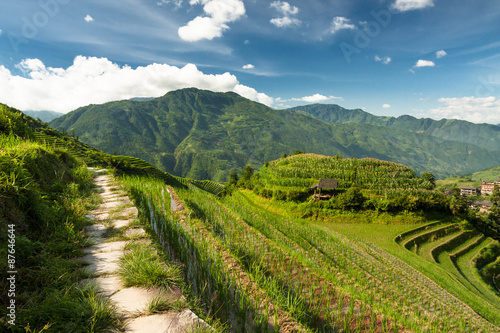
x=304, y=170
x=204, y=135
x=473, y=179
x=483, y=135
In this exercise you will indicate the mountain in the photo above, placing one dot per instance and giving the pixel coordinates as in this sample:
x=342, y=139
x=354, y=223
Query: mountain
x=141, y=99
x=204, y=135
x=45, y=116
x=483, y=135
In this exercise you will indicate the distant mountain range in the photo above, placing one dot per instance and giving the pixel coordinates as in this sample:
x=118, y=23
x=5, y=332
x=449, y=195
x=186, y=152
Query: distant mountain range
x=483, y=135
x=204, y=135
x=45, y=116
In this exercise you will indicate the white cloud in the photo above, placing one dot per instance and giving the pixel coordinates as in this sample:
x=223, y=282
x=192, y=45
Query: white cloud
x=98, y=80
x=176, y=3
x=341, y=23
x=285, y=8
x=386, y=106
x=384, y=60
x=316, y=98
x=1, y=32
x=406, y=5
x=219, y=12
x=441, y=53
x=88, y=18
x=287, y=11
x=248, y=66
x=424, y=63
x=252, y=94
x=284, y=22
x=473, y=109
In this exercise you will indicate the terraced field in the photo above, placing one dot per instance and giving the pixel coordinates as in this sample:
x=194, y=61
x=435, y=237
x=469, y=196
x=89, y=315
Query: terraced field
x=452, y=250
x=267, y=273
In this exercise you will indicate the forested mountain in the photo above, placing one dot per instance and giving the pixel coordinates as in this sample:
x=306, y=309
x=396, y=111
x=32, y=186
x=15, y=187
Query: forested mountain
x=483, y=135
x=204, y=135
x=44, y=115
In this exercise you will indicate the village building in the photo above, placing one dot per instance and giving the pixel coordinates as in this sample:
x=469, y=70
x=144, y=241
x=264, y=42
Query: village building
x=487, y=187
x=484, y=206
x=469, y=190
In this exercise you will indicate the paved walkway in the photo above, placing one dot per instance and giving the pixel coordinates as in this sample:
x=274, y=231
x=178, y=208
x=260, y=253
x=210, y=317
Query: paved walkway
x=114, y=216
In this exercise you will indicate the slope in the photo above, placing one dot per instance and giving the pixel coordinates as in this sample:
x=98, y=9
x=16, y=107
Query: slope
x=204, y=135
x=483, y=135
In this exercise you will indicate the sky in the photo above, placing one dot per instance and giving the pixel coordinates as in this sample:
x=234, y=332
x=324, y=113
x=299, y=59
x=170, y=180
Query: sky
x=425, y=58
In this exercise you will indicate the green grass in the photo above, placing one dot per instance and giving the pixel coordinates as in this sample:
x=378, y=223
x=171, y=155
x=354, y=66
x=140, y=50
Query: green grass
x=143, y=267
x=45, y=192
x=383, y=236
x=159, y=305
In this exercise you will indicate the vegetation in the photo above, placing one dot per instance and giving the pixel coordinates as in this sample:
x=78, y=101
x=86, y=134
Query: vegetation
x=473, y=179
x=260, y=255
x=286, y=268
x=44, y=194
x=482, y=135
x=206, y=135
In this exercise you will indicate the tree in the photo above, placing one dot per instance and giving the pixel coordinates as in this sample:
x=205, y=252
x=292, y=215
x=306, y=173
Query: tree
x=245, y=177
x=247, y=173
x=353, y=198
x=233, y=178
x=429, y=177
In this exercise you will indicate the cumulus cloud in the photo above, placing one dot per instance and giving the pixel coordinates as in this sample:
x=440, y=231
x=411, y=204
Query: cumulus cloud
x=424, y=63
x=316, y=98
x=473, y=109
x=441, y=53
x=91, y=80
x=248, y=66
x=219, y=13
x=407, y=5
x=386, y=106
x=341, y=23
x=1, y=32
x=384, y=60
x=287, y=12
x=88, y=18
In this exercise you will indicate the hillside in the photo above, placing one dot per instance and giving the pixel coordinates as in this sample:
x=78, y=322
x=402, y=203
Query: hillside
x=204, y=135
x=304, y=170
x=473, y=179
x=240, y=254
x=483, y=135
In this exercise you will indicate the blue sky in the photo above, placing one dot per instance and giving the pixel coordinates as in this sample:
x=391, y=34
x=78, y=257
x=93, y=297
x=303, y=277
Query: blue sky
x=426, y=58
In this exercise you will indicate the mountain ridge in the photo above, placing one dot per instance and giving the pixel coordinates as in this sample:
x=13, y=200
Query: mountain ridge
x=204, y=135
x=483, y=135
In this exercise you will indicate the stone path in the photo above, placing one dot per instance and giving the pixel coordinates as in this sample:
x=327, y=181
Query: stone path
x=113, y=216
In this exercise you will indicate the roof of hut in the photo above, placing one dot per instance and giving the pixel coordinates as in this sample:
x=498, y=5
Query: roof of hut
x=326, y=183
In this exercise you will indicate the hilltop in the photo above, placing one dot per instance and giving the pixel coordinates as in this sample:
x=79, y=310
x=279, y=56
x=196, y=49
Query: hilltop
x=204, y=135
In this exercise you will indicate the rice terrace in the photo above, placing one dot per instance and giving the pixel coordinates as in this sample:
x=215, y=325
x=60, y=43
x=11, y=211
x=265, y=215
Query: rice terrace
x=379, y=250
x=250, y=166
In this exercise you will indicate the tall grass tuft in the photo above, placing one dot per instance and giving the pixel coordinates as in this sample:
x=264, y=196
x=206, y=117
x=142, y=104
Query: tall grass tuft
x=142, y=266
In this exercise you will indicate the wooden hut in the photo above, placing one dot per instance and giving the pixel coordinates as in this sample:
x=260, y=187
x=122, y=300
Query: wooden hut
x=330, y=184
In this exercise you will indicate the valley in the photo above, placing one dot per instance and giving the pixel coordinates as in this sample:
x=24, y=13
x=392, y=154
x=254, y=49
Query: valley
x=378, y=250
